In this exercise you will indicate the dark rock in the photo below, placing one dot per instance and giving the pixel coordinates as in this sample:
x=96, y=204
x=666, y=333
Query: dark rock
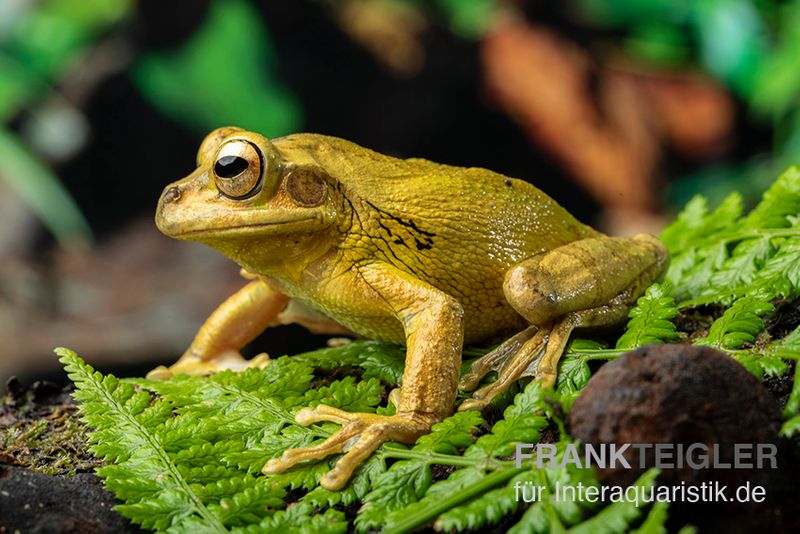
x=682, y=394
x=36, y=503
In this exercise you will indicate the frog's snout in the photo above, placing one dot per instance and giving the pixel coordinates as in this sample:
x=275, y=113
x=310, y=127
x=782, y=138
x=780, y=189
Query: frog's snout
x=168, y=211
x=173, y=194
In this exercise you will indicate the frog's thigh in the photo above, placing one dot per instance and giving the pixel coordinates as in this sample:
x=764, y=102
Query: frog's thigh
x=582, y=275
x=584, y=284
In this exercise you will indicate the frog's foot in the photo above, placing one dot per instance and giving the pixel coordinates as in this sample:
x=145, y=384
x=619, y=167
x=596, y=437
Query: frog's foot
x=195, y=365
x=360, y=435
x=495, y=360
x=538, y=356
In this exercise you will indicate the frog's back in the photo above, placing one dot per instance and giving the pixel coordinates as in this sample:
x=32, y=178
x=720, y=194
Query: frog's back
x=457, y=228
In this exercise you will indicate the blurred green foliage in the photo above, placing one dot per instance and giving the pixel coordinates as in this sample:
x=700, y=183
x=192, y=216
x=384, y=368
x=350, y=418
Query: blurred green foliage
x=39, y=43
x=224, y=75
x=752, y=46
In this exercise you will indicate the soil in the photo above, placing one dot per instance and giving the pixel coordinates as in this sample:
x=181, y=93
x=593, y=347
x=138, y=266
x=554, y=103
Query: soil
x=47, y=482
x=33, y=502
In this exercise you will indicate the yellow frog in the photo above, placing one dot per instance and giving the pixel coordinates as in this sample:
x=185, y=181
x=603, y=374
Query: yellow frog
x=409, y=251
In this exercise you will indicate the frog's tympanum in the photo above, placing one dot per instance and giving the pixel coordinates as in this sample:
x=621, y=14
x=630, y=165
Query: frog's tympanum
x=343, y=239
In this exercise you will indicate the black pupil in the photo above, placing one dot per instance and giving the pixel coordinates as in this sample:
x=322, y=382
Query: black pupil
x=230, y=166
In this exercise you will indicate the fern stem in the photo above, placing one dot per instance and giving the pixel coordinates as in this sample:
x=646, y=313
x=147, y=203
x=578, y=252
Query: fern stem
x=555, y=522
x=751, y=234
x=430, y=513
x=598, y=354
x=442, y=459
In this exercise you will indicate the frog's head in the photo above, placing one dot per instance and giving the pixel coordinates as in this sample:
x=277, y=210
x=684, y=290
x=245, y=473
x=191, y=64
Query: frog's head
x=244, y=200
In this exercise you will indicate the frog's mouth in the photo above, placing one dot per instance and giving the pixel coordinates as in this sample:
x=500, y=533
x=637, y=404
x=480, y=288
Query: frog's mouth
x=244, y=229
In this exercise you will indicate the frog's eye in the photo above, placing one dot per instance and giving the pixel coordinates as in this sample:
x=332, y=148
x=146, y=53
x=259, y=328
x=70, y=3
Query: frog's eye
x=237, y=170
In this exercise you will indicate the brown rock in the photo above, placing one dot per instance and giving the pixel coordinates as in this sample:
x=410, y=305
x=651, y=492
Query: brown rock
x=682, y=394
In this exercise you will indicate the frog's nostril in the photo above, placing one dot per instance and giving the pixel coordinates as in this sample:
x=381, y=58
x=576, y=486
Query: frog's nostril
x=173, y=194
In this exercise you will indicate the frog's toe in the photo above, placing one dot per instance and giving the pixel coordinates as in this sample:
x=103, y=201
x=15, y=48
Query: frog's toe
x=333, y=445
x=370, y=439
x=473, y=404
x=160, y=373
x=193, y=365
x=361, y=434
x=496, y=360
x=323, y=413
x=519, y=356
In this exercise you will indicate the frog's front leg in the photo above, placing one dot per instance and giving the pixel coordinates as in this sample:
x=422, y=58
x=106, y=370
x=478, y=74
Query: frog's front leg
x=236, y=322
x=433, y=325
x=589, y=283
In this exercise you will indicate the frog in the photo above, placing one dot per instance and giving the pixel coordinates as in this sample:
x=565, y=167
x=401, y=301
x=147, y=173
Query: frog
x=432, y=257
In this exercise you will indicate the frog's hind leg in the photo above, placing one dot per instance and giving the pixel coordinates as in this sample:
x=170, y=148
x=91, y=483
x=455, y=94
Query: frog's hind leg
x=496, y=360
x=588, y=283
x=540, y=354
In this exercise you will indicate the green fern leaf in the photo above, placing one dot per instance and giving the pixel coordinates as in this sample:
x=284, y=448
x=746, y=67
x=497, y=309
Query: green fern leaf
x=408, y=480
x=787, y=347
x=365, y=477
x=347, y=395
x=793, y=402
x=573, y=374
x=690, y=278
x=695, y=223
x=488, y=509
x=133, y=442
x=521, y=423
x=790, y=427
x=300, y=519
x=383, y=361
x=619, y=515
x=780, y=276
x=655, y=521
x=651, y=319
x=747, y=258
x=740, y=323
x=781, y=200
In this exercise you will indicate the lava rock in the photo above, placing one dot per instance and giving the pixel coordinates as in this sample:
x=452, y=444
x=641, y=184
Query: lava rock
x=686, y=394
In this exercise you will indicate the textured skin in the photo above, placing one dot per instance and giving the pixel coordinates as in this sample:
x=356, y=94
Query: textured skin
x=457, y=229
x=409, y=251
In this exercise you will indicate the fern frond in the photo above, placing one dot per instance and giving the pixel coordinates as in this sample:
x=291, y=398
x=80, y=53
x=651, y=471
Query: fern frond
x=619, y=515
x=378, y=360
x=521, y=423
x=655, y=521
x=128, y=435
x=651, y=319
x=790, y=427
x=488, y=509
x=740, y=323
x=408, y=480
x=780, y=201
x=746, y=260
x=300, y=519
x=695, y=223
x=347, y=394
